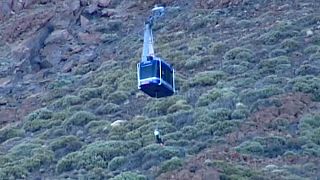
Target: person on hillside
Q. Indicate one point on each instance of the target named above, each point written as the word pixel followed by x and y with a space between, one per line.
pixel 159 140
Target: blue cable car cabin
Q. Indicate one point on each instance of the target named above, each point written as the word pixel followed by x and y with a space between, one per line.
pixel 156 77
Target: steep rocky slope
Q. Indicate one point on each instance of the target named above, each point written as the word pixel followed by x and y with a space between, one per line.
pixel 247 102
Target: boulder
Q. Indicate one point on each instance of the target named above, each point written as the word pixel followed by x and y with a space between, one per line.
pixel 58 36
pixel 84 22
pixel 118 123
pixel 104 3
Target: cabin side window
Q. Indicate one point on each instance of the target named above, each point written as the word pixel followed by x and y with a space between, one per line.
pixel 166 74
pixel 149 70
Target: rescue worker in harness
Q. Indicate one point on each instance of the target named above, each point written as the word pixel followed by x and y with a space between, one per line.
pixel 159 140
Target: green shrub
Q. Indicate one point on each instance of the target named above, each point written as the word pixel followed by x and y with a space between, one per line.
pixel 97 154
pixel 118 97
pixel 235 69
pixel 97 127
pixel 41 157
pixel 89 93
pixel 161 106
pixel 10 132
pixel 307 84
pixel 239 53
pixel 309 122
pixel 273 63
pixel 67 143
pixel 250 147
pixel 212 116
pixel 240 114
pixel 311 149
pixel 170 165
pixel 223 127
pixel 118 132
pixel 250 96
pixel 40 114
pixel 189 132
pixel 312 49
pixel 129 176
pixel 153 154
pixel 207 78
pixel 80 118
pixel 209 97
pixel 307 69
pixel 85 68
pixel 274 36
pixel 109 38
pixel 13 172
pixel 217 48
pixel 106 90
pixel 108 108
pixel 128 82
pixel 289 45
pixel 315 137
pixel 70 100
pixel 273 145
pixel 35 125
pixel 94 103
pixel 233 172
pixel 180 105
pixel 277 52
pixel 279 124
pixel 117 162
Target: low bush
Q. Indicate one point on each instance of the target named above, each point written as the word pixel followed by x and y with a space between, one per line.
pixel 239 53
pixel 118 97
pixel 117 162
pixel 153 155
pixel 307 69
pixel 209 97
pixel 240 114
pixel 273 146
pixel 40 114
pixel 223 127
pixel 170 165
pixel 129 176
pixel 35 125
pixel 13 172
pixel 80 118
pixel 98 127
pixel 10 132
pixel 211 116
pixel 250 96
pixel 161 106
pixel 217 48
pixel 94 103
pixel 89 93
pixel 96 155
pixel 71 100
pixel 108 108
pixel 207 78
pixel 289 45
pixel 250 147
pixel 306 84
pixel 277 52
pixel 312 49
pixel 65 144
pixel 231 171
pixel 180 105
pixel 273 65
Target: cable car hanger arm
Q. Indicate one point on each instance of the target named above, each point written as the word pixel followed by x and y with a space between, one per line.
pixel 148 50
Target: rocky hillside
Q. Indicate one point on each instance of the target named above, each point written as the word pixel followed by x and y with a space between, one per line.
pixel 248 90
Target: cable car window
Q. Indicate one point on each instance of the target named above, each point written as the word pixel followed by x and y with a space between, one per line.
pixel 167 74
pixel 149 71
